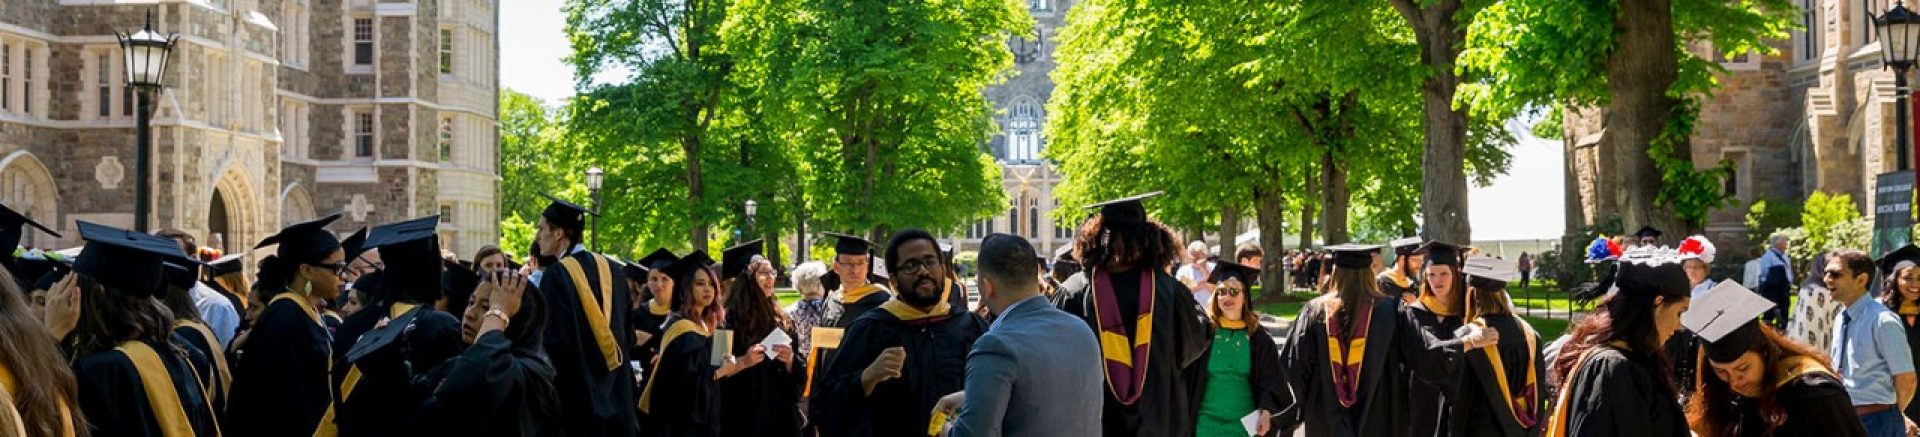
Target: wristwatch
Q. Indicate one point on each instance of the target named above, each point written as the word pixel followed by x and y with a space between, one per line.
pixel 496 312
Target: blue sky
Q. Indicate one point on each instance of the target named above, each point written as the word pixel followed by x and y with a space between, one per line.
pixel 1523 204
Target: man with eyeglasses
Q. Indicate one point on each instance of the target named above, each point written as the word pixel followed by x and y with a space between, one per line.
pixel 1870 349
pixel 895 362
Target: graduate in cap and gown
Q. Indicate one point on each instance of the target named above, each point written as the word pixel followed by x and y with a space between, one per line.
pixel 1504 385
pixel 1755 382
pixel 1646 236
pixel 191 331
pixel 768 392
pixel 377 395
pixel 852 292
pixel 650 320
pixel 1402 280
pixel 132 378
pixel 1613 377
pixel 1153 335
pixel 1244 375
pixel 587 335
pixel 227 276
pixel 896 362
pixel 1348 349
pixel 1438 311
pixel 1901 293
pixel 281 374
pixel 502 383
pixel 683 397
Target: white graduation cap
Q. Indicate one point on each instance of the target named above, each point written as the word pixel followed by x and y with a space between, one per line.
pixel 1490 268
pixel 1726 307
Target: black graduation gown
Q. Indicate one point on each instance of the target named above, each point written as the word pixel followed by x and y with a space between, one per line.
pixel 1176 358
pixel 493 388
pixel 1683 353
pixel 1430 406
pixel 1913 343
pixel 114 401
pixel 935 366
pixel 1391 289
pixel 1394 345
pixel 685 399
pixel 1816 403
pixel 1269 381
pixel 280 381
pixel 841 315
pixel 768 392
pixel 594 401
pixel 1481 409
pixel 206 371
pixel 644 320
pixel 1611 395
pixel 384 396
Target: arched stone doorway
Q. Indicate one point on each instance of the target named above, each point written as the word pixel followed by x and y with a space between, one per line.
pixel 233 213
pixel 218 227
pixel 27 187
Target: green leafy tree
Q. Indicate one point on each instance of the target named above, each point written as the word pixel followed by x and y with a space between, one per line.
pixel 878 102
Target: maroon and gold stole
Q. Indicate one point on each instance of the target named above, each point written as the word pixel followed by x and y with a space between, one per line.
pixel 1347 355
pixel 1126 361
pixel 1521 405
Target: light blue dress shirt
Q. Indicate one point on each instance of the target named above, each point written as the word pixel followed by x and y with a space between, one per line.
pixel 1869 348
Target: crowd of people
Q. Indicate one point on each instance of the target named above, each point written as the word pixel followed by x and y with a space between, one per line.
pixel 1123 333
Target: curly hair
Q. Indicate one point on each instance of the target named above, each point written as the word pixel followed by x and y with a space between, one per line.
pixel 1124 246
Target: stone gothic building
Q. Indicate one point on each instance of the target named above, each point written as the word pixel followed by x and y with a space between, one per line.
pixel 1819 116
pixel 1020 109
pixel 276 111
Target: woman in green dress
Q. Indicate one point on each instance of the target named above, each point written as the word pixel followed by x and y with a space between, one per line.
pixel 1243 368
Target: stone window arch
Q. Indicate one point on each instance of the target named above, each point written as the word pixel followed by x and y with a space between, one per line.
pixel 27 187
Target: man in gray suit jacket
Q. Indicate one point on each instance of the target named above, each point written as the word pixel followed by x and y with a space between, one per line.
pixel 1036 372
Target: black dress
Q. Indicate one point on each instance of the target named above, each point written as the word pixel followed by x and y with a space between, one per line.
pixel 1394 346
pixel 1613 395
pixel 281 384
pixel 1482 407
pixel 644 319
pixel 114 400
pixel 1169 401
pixel 684 400
pixel 1431 406
pixel 768 392
pixel 494 388
pixel 935 366
pixel 596 399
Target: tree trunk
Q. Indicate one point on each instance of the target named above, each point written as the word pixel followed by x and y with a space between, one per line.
pixel 1570 178
pixel 1229 228
pixel 697 234
pixel 1334 197
pixel 1639 72
pixel 1269 209
pixel 801 250
pixel 1307 203
pixel 1443 177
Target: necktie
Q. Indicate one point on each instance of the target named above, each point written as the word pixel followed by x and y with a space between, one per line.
pixel 1846 339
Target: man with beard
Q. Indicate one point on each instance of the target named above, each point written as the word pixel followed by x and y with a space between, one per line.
pixel 897 361
pixel 1403 281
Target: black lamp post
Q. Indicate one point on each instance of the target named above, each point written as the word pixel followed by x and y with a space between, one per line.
pixel 594 178
pixel 146 57
pixel 1899 30
pixel 753 210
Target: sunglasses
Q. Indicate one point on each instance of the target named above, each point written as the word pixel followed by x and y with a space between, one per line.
pixel 1834 273
pixel 1227 291
pixel 338 268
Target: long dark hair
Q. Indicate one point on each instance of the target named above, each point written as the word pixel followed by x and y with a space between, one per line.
pixel 180 302
pixel 683 297
pixel 750 313
pixel 1890 289
pixel 1711 412
pixel 1626 317
pixel 110 316
pixel 1354 290
pixel 1123 246
pixel 44 380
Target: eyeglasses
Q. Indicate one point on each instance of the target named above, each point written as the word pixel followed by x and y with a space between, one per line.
pixel 1834 273
pixel 1227 291
pixel 917 265
pixel 339 268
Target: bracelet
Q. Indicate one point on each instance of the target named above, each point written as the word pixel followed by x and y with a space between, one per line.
pixel 497 313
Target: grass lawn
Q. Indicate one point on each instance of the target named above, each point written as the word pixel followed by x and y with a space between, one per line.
pixel 786 297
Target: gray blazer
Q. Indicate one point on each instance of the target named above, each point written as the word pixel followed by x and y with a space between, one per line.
pixel 1036 372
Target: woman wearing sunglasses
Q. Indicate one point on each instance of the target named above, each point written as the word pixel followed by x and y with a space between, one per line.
pixel 1243 368
pixel 281 384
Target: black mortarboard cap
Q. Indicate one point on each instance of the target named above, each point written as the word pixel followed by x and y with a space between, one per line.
pixel 1124 210
pixel 226 265
pixel 128 261
pixel 1224 270
pixel 411 251
pixel 459 281
pixel 1647 231
pixel 1406 246
pixel 687 264
pixel 355 245
pixel 1906 255
pixel 1353 256
pixel 1651 275
pixel 305 242
pixel 660 258
pixel 845 244
pixel 566 215
pixel 53 276
pixel 381 337
pixel 734 260
pixel 26 270
pixel 1439 253
pixel 11 230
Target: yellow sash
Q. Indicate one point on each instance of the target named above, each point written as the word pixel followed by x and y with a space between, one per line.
pixel 822 338
pixel 353 372
pixel 1795 366
pixel 658 307
pixel 161 399
pixel 219 359
pixel 1436 306
pixel 1230 324
pixel 7 385
pixel 326 426
pixel 854 295
pixel 679 327
pixel 1115 347
pixel 1557 424
pixel 599 314
pixel 908 313
pixel 1500 372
